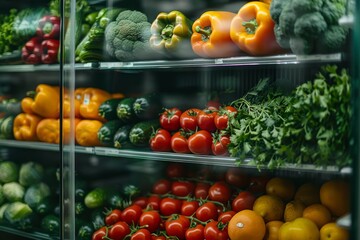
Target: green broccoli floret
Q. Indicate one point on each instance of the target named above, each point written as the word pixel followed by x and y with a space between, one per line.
pixel 310 25
pixel 287 20
pixel 332 11
pixel 276 7
pixel 306 6
pixel 127 38
pixel 332 40
pixel 281 38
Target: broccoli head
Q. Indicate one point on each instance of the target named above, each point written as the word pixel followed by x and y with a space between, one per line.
pixel 332 40
pixel 310 25
pixel 276 7
pixel 332 11
pixel 127 38
pixel 306 6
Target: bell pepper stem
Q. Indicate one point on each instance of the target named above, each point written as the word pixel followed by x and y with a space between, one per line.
pixel 250 26
pixel 206 32
pixel 48 27
pixel 167 32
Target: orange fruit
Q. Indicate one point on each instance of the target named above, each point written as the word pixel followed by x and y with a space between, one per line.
pixel 299 229
pixel 293 210
pixel 270 207
pixel 308 193
pixel 335 195
pixel 246 224
pixel 281 187
pixel 318 213
pixel 272 230
pixel 331 231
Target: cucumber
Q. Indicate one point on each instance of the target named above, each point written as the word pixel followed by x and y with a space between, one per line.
pixel 95 198
pixel 125 111
pixel 107 131
pixel 121 137
pixel 147 107
pixel 107 109
pixel 141 132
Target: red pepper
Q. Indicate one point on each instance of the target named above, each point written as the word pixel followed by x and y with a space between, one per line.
pixel 31 52
pixel 50 48
pixel 49 27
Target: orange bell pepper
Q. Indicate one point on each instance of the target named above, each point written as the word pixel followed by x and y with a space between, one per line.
pixel 211 35
pixel 25 125
pixel 48 130
pixel 86 132
pixel 91 100
pixel 67 103
pixel 252 29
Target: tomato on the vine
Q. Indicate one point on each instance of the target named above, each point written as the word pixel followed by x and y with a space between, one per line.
pixel 237 177
pixel 161 186
pixel 119 230
pixel 200 142
pixel 156 237
pixel 160 141
pixel 182 188
pixel 188 119
pixel 244 200
pixel 205 120
pixel 226 216
pixel 201 190
pixel 99 234
pixel 154 202
pixel 195 233
pixel 175 170
pixel 170 119
pixel 112 217
pixel 179 142
pixel 131 214
pixel 221 119
pixel 220 192
pixel 141 234
pixel 206 212
pixel 176 225
pixel 189 207
pixel 214 230
pixel 219 146
pixel 150 220
pixel 141 201
pixel 169 206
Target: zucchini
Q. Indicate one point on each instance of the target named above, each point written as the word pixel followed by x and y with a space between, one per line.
pixel 121 137
pixel 147 107
pixel 107 131
pixel 141 132
pixel 6 127
pixel 125 111
pixel 10 106
pixel 95 198
pixel 107 109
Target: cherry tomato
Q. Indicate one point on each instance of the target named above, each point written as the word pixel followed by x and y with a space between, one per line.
pixel 214 230
pixel 205 120
pixel 99 234
pixel 188 208
pixel 141 234
pixel 219 146
pixel 200 142
pixel 119 230
pixel 226 216
pixel 201 190
pixel 206 212
pixel 170 119
pixel 112 217
pixel 213 104
pixel 220 191
pixel 169 206
pixel 182 188
pixel 150 218
pixel 244 200
pixel 258 184
pixel 195 233
pixel 176 225
pixel 160 141
pixel 221 119
pixel 154 202
pixel 236 177
pixel 179 142
pixel 175 170
pixel 131 214
pixel 154 237
pixel 161 186
pixel 141 201
pixel 188 119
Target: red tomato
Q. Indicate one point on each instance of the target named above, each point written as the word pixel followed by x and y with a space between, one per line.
pixel 154 202
pixel 131 214
pixel 150 218
pixel 182 188
pixel 161 141
pixel 200 142
pixel 226 216
pixel 141 201
pixel 170 119
pixel 219 146
pixel 119 230
pixel 195 233
pixel 257 184
pixel 141 234
pixel 206 212
pixel 201 190
pixel 162 186
pixel 236 177
pixel 205 120
pixel 179 142
pixel 213 231
pixel 99 234
pixel 244 200
pixel 169 206
pixel 220 192
pixel 188 208
pixel 221 120
pixel 177 225
pixel 154 237
pixel 112 217
pixel 175 170
pixel 188 119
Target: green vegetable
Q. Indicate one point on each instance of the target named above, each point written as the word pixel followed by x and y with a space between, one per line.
pixel 97 218
pixel 141 132
pixel 332 39
pixel 85 231
pixel 107 109
pixel 107 131
pixel 121 137
pixel 30 173
pixel 127 38
pixel 125 110
pixel 51 224
pixel 95 198
pixel 13 191
pixel 80 208
pixel 16 211
pixel 2 212
pixel 10 106
pixel 45 206
pixel 28 223
pixel 55 6
pixel 9 172
pixel 2 196
pixel 309 24
pixel 147 107
pixel 6 127
pixel 36 193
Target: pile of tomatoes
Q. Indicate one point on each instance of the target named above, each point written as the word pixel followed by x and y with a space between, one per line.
pixel 179 207
pixel 194 131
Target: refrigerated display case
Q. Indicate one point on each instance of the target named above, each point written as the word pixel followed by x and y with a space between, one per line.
pixel 289 150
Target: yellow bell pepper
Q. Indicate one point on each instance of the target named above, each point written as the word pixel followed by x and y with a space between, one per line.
pixel 67 103
pixel 48 130
pixel 299 229
pixel 25 126
pixel 86 132
pixel 91 100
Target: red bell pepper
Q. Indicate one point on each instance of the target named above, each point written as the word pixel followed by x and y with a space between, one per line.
pixel 32 51
pixel 49 27
pixel 50 48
